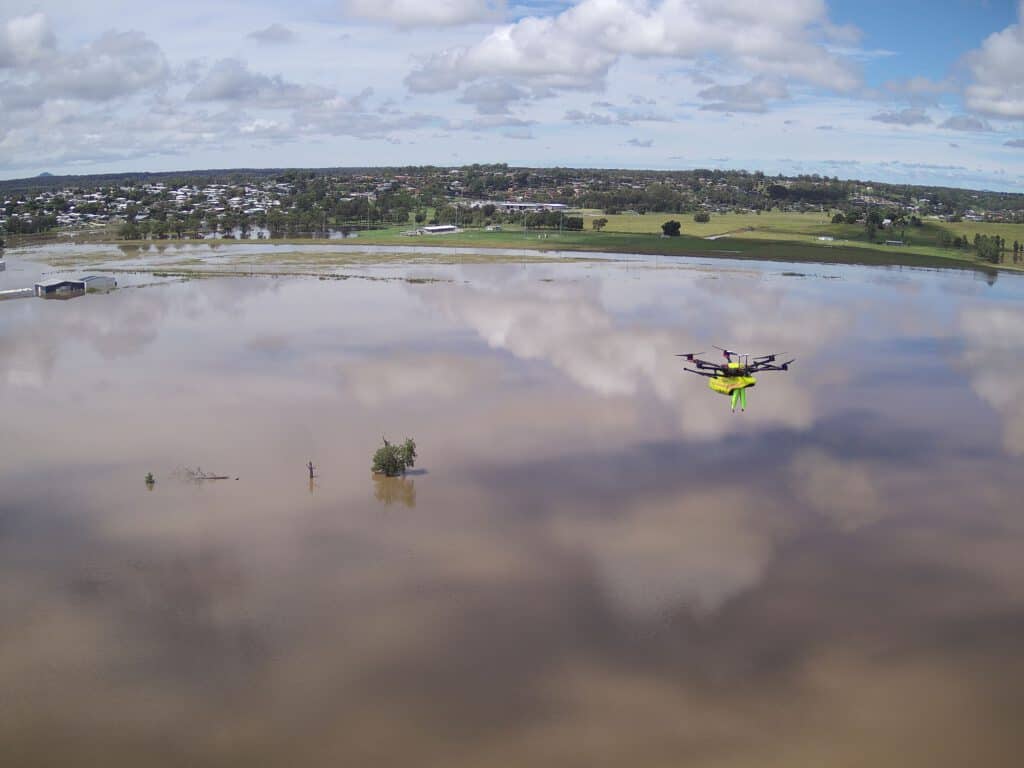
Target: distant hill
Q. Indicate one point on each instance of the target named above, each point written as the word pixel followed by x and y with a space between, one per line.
pixel 44 174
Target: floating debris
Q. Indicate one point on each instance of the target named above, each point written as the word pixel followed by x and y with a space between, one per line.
pixel 197 475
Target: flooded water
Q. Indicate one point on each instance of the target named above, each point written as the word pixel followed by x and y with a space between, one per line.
pixel 594 562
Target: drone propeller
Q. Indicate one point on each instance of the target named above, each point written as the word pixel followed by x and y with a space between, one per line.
pixel 767 358
pixel 689 355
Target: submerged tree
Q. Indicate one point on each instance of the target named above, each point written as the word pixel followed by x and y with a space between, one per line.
pixel 393 460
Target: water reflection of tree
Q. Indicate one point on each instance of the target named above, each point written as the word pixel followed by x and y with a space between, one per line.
pixel 391 489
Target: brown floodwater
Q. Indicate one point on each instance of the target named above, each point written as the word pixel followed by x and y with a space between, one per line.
pixel 594 562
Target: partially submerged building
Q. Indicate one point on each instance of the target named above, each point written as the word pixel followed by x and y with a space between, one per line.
pixel 60 288
pixel 99 283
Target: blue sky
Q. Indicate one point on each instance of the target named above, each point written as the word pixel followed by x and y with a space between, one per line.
pixel 912 92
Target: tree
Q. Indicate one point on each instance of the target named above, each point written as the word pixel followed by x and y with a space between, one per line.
pixel 838 219
pixel 393 460
pixel 573 223
pixel 702 217
pixel 599 224
pixel 671 228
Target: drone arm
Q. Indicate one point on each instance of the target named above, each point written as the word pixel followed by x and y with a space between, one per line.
pixel 701 373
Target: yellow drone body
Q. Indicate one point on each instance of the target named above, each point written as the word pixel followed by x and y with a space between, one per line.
pixel 735 376
pixel 726 385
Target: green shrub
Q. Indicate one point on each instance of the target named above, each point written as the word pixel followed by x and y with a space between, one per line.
pixel 393 460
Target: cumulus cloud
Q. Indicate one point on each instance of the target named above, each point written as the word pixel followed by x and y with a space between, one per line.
pixel 413 13
pixel 589 118
pixel 994 346
pixel 1019 143
pixel 965 123
pixel 752 96
pixel 997 89
pixel 841 490
pixel 909 116
pixel 492 97
pixel 232 80
pixel 275 33
pixel 617 116
pixel 918 90
pixel 576 48
pixel 341 116
pixel 25 39
pixel 568 327
pixel 695 552
pixel 116 64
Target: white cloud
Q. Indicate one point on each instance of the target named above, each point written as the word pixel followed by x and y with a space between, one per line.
pixel 993 353
pixel 998 87
pixel 232 80
pixel 415 13
pixel 25 40
pixel 841 490
pixel 275 33
pixel 694 552
pixel 492 97
pixel 918 86
pixel 965 123
pixel 576 48
pixel 589 118
pixel 752 96
pixel 909 116
pixel 341 116
pixel 116 64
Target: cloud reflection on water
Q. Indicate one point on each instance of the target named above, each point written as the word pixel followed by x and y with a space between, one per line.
pixel 580 581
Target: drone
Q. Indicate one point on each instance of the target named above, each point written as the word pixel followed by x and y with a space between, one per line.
pixel 736 374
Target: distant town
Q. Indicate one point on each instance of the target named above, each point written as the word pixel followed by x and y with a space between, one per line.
pixel 336 202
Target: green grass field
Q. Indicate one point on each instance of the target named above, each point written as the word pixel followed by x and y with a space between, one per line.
pixel 770 245
pixel 771 235
pixel 807 228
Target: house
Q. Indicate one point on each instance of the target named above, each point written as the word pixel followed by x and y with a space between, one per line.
pixel 440 229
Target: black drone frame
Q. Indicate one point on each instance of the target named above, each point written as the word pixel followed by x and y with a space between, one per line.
pixel 748 364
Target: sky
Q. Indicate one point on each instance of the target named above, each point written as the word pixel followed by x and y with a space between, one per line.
pixel 901 91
